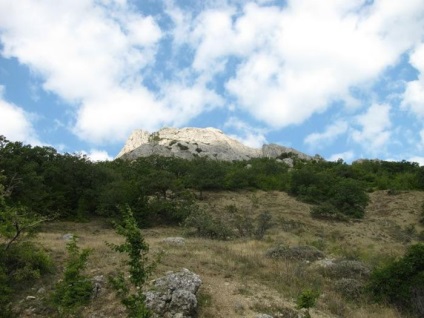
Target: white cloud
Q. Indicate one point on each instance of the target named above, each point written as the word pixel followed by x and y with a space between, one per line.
pixel 422 138
pixel 95 55
pixel 346 156
pixel 331 132
pixel 98 155
pixel 248 135
pixel 375 123
pixel 295 61
pixel 413 98
pixel 286 63
pixel 418 159
pixel 15 123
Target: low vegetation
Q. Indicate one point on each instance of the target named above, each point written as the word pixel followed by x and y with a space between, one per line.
pixel 342 240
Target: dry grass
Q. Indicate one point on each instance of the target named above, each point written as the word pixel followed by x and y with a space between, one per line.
pixel 238 280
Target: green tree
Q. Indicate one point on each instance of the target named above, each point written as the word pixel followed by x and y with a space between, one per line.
pixel 138 266
pixel 349 197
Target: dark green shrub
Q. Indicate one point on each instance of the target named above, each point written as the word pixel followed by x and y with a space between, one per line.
pixel 350 198
pixel 307 299
pixel 20 266
pixel 401 282
pixel 5 292
pixel 74 291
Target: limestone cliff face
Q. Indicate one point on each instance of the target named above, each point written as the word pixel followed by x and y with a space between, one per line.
pixel 189 143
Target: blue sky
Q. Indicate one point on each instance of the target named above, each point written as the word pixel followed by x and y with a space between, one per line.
pixel 339 78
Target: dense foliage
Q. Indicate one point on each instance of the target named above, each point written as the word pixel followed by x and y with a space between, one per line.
pixel 159 190
pixel 401 282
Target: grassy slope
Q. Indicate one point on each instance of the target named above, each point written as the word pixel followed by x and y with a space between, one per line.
pixel 238 281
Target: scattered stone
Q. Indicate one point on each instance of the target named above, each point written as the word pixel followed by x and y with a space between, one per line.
pixel 300 253
pixel 263 316
pixel 30 297
pixel 98 282
pixel 41 290
pixel 178 241
pixel 68 236
pixel 174 295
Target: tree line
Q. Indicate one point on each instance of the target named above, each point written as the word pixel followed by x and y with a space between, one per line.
pixel 160 190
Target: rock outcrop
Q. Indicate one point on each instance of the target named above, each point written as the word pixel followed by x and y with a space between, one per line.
pixel 188 143
pixel 174 295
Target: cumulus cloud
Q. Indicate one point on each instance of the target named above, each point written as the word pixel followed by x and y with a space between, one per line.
pixel 413 98
pixel 97 155
pixel 97 55
pixel 246 134
pixel 374 133
pixel 295 61
pixel 15 123
pixel 418 159
pixel 346 156
pixel 331 132
pixel 280 64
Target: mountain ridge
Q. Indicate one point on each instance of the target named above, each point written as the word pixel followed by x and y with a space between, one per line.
pixel 191 142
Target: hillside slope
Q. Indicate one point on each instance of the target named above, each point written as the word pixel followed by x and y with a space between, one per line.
pixel 238 279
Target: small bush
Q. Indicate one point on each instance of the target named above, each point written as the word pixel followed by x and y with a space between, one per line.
pixel 263 224
pixel 74 291
pixel 240 220
pixel 401 282
pixel 307 298
pixel 208 226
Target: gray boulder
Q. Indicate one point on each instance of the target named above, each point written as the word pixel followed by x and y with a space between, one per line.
pixel 174 295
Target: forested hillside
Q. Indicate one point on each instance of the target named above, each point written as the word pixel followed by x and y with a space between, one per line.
pixel 40 184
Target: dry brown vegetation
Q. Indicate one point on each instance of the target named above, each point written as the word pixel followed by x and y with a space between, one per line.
pixel 238 279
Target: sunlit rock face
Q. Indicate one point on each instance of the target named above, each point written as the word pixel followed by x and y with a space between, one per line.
pixel 189 143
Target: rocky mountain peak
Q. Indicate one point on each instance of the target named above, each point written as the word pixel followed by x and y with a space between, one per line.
pixel 191 142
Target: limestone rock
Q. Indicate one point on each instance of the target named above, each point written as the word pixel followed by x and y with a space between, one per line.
pixel 189 143
pixel 174 295
pixel 137 138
